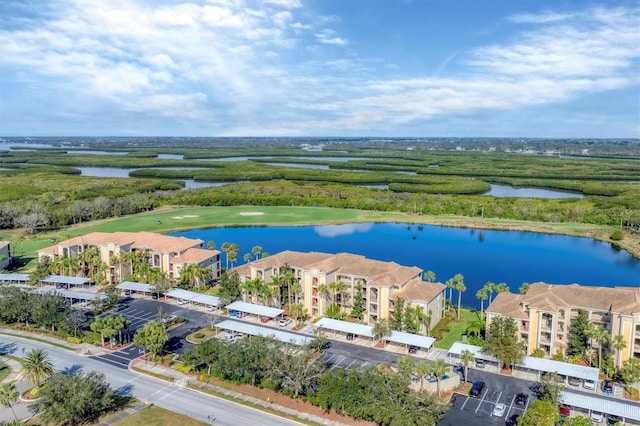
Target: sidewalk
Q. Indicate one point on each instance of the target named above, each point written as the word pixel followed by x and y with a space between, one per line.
pixel 184 380
pixel 84 349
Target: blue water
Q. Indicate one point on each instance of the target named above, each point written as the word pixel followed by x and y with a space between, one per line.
pixel 510 191
pixel 171 156
pixel 481 256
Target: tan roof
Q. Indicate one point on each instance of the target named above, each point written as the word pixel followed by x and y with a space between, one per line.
pixel 147 240
pixel 419 291
pixel 550 297
pixel 294 259
pixel 194 255
pixel 53 250
pixel 508 305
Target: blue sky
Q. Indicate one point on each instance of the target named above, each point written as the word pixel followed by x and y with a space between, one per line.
pixel 423 68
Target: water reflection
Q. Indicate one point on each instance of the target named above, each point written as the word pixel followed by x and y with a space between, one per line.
pixel 170 156
pixel 331 231
pixel 509 191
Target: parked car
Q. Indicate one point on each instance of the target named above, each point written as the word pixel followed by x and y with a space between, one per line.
pixel 120 307
pixel 565 412
pixel 211 308
pixel 413 349
pixel 574 381
pixel 479 363
pixel 589 384
pixel 264 320
pixel 476 389
pixel 607 388
pixel 350 336
pixel 169 319
pixel 182 302
pixel 596 417
pixel 521 399
pixel 513 420
pixel 499 410
pixel 127 292
pixel 284 322
pixel 612 420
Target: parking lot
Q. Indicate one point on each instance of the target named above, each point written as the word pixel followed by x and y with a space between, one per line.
pixel 335 361
pixel 466 410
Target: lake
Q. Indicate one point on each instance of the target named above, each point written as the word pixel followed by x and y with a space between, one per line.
pixel 480 255
pixel 510 191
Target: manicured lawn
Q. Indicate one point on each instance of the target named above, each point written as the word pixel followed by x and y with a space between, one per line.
pixel 208 334
pixel 4 371
pixel 156 416
pixel 456 328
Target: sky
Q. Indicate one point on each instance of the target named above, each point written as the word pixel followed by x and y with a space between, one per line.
pixel 390 68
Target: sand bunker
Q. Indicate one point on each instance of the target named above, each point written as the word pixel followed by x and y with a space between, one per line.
pixel 251 213
pixel 187 216
pixel 177 217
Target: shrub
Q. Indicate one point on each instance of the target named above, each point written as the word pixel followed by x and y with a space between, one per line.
pixel 199 335
pixel 75 340
pixel 182 368
pixel 179 320
pixel 92 337
pixel 617 235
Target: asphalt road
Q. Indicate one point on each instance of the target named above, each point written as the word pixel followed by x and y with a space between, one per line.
pixel 166 395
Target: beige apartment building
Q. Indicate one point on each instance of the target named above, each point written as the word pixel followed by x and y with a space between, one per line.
pixel 5 254
pixel 545 312
pixel 169 254
pixel 381 283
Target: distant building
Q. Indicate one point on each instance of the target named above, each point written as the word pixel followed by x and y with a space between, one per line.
pixel 380 283
pixel 545 313
pixel 169 254
pixel 5 254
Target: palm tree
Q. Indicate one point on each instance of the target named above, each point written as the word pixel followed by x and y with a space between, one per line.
pixel 296 289
pixel 490 286
pixel 438 369
pixel 381 329
pixel 226 247
pixel 466 356
pixel 288 277
pixel 298 311
pixel 338 287
pixel 422 369
pixel 457 283
pixel 264 291
pixel 276 284
pixel 8 395
pixel 483 295
pixel 211 245
pixel 429 276
pixel 323 290
pixel 618 343
pixel 36 366
pixel 502 288
pixel 601 336
pixel 419 316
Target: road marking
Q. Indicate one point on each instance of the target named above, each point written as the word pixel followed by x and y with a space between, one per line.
pixel 350 364
pixel 511 405
pixel 465 403
pixel 480 405
pixel 363 366
pixel 168 395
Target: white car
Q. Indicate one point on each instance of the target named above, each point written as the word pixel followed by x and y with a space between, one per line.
pixel 284 322
pixel 589 384
pixel 182 302
pixel 596 417
pixel 499 410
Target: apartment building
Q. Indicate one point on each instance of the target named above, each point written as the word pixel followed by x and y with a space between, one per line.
pixel 5 254
pixel 545 312
pixel 379 282
pixel 169 254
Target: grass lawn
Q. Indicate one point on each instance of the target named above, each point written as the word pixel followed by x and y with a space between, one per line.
pixel 207 332
pixel 456 328
pixel 4 371
pixel 156 416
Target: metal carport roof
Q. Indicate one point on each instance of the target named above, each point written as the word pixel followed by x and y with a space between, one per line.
pixel 256 330
pixel 458 347
pixel 345 327
pixel 250 308
pixel 69 294
pixel 410 339
pixel 4 278
pixel 60 279
pixel 130 285
pixel 205 299
pixel 607 405
pixel 564 368
pixel 180 293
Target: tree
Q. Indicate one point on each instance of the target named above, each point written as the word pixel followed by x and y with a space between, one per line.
pixel 550 386
pixel 206 353
pixel 357 310
pixel 491 288
pixel 75 321
pixel 457 283
pixel 406 365
pixel 429 276
pixel 540 413
pixel 8 395
pixel 600 335
pixel 630 371
pixel 74 399
pixel 226 247
pixel 298 311
pixel 578 338
pixel 42 271
pixel 438 369
pixel 502 288
pixel 397 319
pixel 256 251
pixel 502 341
pixel 466 357
pixel 422 369
pixel 381 329
pixel 294 368
pixel 578 421
pixel 211 245
pixel 152 337
pixel 50 310
pixel 618 343
pixel 482 295
pixel 36 366
pixel 195 275
pixel 524 288
pixel 229 287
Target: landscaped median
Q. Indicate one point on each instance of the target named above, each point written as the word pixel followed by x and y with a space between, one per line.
pixel 201 335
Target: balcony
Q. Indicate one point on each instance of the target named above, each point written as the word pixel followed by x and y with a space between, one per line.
pixel 637 333
pixel 546 325
pixel 545 338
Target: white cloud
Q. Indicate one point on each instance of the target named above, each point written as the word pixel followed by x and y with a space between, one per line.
pixel 327 36
pixel 287 4
pixel 332 231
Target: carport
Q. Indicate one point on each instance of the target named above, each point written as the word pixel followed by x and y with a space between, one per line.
pixel 14 279
pixel 71 295
pixel 541 366
pixel 457 348
pixel 344 327
pixel 252 309
pixel 408 339
pixel 61 281
pixel 271 333
pixel 211 302
pixel 133 286
pixel 628 411
pixel 179 293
